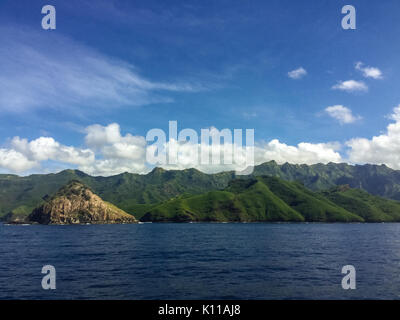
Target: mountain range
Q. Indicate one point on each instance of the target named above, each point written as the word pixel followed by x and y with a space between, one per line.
pixel 149 194
pixel 266 198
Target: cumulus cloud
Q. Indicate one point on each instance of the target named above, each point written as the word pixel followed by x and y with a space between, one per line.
pixel 109 167
pixel 108 152
pixel 351 86
pixel 341 113
pixel 48 70
pixel 116 153
pixel 369 72
pixel 396 114
pixel 46 148
pixel 15 161
pixel 382 149
pixel 190 150
pixel 303 153
pixel 23 155
pixel 297 73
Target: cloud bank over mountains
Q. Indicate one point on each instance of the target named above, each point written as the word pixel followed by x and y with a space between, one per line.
pixel 107 152
pixel 384 148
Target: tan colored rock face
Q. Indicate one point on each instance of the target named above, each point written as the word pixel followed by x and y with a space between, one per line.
pixel 76 204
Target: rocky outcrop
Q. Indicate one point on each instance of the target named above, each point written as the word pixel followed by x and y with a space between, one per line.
pixel 75 203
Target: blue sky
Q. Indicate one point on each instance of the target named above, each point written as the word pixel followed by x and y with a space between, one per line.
pixel 223 64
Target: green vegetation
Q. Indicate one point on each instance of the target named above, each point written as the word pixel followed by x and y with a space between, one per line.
pixel 139 194
pixel 259 199
pixel 133 193
pixel 370 208
pixel 376 180
pixel 312 206
pixel 18 214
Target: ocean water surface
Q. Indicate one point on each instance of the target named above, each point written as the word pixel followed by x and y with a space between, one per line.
pixel 201 261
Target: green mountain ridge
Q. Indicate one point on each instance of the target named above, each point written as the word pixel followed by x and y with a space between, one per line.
pixel 259 199
pixel 137 194
pixel 370 208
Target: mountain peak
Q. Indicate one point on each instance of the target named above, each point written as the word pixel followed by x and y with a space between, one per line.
pixel 75 203
pixel 73 172
pixel 158 170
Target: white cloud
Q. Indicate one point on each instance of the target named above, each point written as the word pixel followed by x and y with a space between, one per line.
pixel 47 70
pixel 15 161
pixel 303 153
pixel 351 86
pixel 98 136
pixel 109 152
pixel 396 114
pixel 369 72
pixel 116 153
pixel 23 155
pixel 382 149
pixel 112 145
pixel 298 73
pixel 108 167
pixel 341 113
pixel 46 148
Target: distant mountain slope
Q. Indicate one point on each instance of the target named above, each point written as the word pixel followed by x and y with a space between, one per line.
pixel 251 201
pixel 312 206
pixel 258 199
pixel 377 180
pixel 370 208
pixel 75 204
pixel 136 194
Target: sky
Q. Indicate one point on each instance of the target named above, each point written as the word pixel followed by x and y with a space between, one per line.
pixel 86 94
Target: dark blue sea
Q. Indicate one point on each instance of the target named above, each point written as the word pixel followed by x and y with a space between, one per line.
pixel 201 261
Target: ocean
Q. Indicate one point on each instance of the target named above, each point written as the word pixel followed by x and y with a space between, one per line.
pixel 201 261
